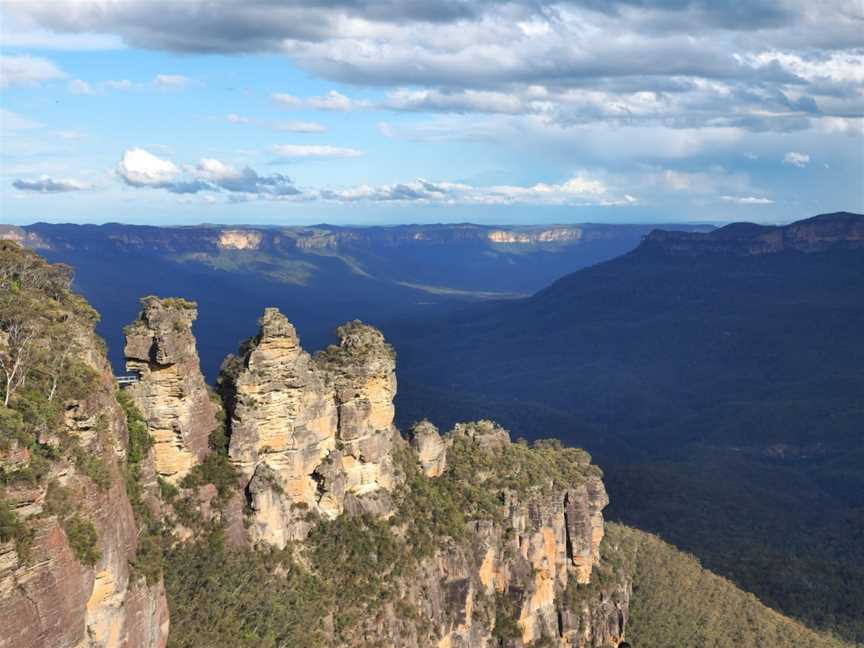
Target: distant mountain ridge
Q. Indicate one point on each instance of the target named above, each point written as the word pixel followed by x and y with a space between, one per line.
pixel 839 230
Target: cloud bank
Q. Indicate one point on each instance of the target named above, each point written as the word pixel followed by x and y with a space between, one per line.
pixel 759 66
pixel 141 169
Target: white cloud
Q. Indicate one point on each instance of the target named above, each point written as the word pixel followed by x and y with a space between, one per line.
pixel 171 81
pixel 79 87
pixel 578 190
pixel 793 158
pixel 460 102
pixel 747 200
pixel 47 184
pixel 140 168
pixel 302 151
pixel 234 118
pixel 333 100
pixel 27 71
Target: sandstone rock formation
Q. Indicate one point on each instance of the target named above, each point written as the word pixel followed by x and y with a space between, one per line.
pixel 430 448
pixel 538 560
pixel 308 434
pixel 171 392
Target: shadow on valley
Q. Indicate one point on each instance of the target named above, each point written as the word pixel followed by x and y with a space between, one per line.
pixel 718 382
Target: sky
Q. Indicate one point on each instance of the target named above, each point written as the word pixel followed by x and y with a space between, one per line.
pixel 396 111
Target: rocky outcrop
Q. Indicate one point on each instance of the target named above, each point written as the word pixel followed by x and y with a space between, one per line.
pixel 171 392
pixel 430 448
pixel 838 231
pixel 309 435
pixel 539 559
pixel 22 237
pixel 554 235
pixel 239 240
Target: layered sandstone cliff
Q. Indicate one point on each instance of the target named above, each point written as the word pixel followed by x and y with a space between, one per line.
pixel 171 392
pixel 310 435
pixel 531 570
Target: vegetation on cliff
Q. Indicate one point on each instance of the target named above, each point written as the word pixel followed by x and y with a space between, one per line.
pixel 677 602
pixel 42 370
pixel 352 569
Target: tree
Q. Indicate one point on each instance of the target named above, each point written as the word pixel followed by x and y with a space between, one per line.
pixel 32 328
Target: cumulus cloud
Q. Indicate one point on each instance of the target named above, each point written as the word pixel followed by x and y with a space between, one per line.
pixel 310 151
pixel 245 180
pixel 47 184
pixel 139 168
pixel 793 158
pixel 27 71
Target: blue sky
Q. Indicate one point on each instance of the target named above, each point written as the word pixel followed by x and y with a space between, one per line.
pixel 150 111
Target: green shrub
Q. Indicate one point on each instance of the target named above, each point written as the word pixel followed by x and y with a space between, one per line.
pixel 149 554
pixel 11 528
pixel 95 467
pixel 82 538
pixel 216 469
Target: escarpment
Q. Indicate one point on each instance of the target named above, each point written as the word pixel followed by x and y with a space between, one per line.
pixel 71 543
pixel 160 349
pixel 310 435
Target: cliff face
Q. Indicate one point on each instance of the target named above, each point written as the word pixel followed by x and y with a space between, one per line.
pixel 841 230
pixel 310 435
pixel 171 392
pixel 68 535
pixel 553 235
